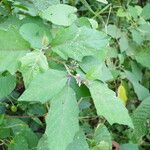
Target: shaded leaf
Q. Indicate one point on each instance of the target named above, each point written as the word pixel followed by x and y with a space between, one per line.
pixel 102 134
pixel 19 142
pixel 7 85
pixel 20 128
pixel 139 89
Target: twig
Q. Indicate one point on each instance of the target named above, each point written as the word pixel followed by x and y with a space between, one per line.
pixel 36 116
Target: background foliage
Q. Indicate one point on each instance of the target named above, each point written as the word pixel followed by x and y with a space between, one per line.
pixel 74 74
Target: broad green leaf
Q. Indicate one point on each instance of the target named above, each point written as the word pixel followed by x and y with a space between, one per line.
pixel 60 14
pixel 41 5
pixel 129 146
pixel 122 13
pixel 123 43
pixel 1 118
pixel 9 60
pixel 139 89
pixel 145 12
pixel 137 36
pixel 108 105
pixel 24 7
pixel 11 21
pixel 83 21
pixel 43 143
pixel 101 146
pixel 7 85
pixel 136 70
pixel 19 142
pixel 145 31
pixel 143 57
pixel 93 23
pixel 4 132
pixel 140 117
pixel 62 120
pixel 102 134
pixel 34 34
pixel 13 39
pixel 95 69
pixel 32 64
pixel 18 127
pixel 74 42
pixel 113 31
pixel 133 12
pixel 45 86
pixel 79 142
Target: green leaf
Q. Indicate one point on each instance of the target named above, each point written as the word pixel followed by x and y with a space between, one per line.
pixel 41 5
pixel 103 1
pixel 123 43
pixel 7 84
pixel 62 120
pixel 19 142
pixel 145 31
pixel 95 69
pixel 45 86
pixel 140 90
pixel 5 133
pixel 145 12
pixel 113 31
pixel 83 21
pixel 11 21
pixel 133 12
pixel 34 34
pixel 143 57
pixel 93 23
pixel 102 134
pixel 137 36
pixel 13 39
pixel 32 64
pixel 101 146
pixel 129 146
pixel 79 142
pixel 43 143
pixel 9 60
pixel 108 105
pixel 60 14
pixel 140 117
pixel 74 42
pixel 136 70
pixel 1 118
pixel 19 127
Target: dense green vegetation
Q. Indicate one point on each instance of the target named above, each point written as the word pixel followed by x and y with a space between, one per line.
pixel 74 75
